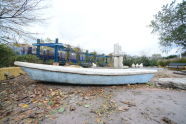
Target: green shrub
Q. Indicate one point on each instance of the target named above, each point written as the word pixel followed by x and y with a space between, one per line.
pixel 49 62
pixel 128 61
pixel 182 60
pixel 171 57
pixel 147 61
pixel 153 62
pixel 28 58
pixel 165 62
pixel 7 56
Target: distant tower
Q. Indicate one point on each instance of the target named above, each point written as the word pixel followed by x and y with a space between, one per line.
pixel 118 56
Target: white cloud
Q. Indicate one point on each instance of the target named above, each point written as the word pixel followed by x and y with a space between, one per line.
pixel 98 24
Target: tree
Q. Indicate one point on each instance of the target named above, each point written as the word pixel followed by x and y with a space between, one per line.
pixel 170 23
pixel 77 50
pixel 156 56
pixel 68 48
pixel 15 15
pixel 93 56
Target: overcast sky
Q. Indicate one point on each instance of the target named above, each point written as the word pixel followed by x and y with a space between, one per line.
pixel 98 24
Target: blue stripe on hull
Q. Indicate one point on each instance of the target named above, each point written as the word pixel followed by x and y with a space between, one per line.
pixel 61 77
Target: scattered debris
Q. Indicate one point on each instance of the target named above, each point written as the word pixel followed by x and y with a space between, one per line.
pixel 99 121
pixel 23 105
pixel 123 108
pixel 22 98
pixel 130 104
pixel 25 100
pixel 168 121
pixel 105 109
pixel 87 105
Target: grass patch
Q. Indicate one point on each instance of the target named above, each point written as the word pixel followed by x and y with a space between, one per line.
pixel 14 71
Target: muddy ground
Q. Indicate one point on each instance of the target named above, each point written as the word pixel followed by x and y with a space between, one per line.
pixel 23 100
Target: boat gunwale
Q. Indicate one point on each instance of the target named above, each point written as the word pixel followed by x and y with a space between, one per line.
pixel 82 73
pixel 89 74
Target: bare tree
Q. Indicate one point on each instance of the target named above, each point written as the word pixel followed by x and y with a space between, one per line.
pixel 15 15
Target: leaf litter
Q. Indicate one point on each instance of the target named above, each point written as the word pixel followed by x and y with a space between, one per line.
pixel 26 101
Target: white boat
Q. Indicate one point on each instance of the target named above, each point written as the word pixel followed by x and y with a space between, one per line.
pixel 86 76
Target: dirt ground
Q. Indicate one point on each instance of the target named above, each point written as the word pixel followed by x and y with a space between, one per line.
pixel 23 100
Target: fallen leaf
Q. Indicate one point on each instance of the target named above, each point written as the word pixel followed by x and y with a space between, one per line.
pixel 23 105
pixel 99 121
pixel 53 112
pixel 123 108
pixel 129 103
pixel 86 97
pixel 50 103
pixel 87 105
pixel 62 109
pixel 53 93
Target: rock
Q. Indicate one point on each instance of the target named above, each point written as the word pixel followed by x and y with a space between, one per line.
pixel 72 108
pixel 179 83
pixel 168 121
pixel 21 73
pixel 8 75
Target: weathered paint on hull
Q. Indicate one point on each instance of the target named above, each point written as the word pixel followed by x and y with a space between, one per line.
pixel 63 77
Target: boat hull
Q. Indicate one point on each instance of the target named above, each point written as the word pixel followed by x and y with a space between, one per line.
pixel 85 79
